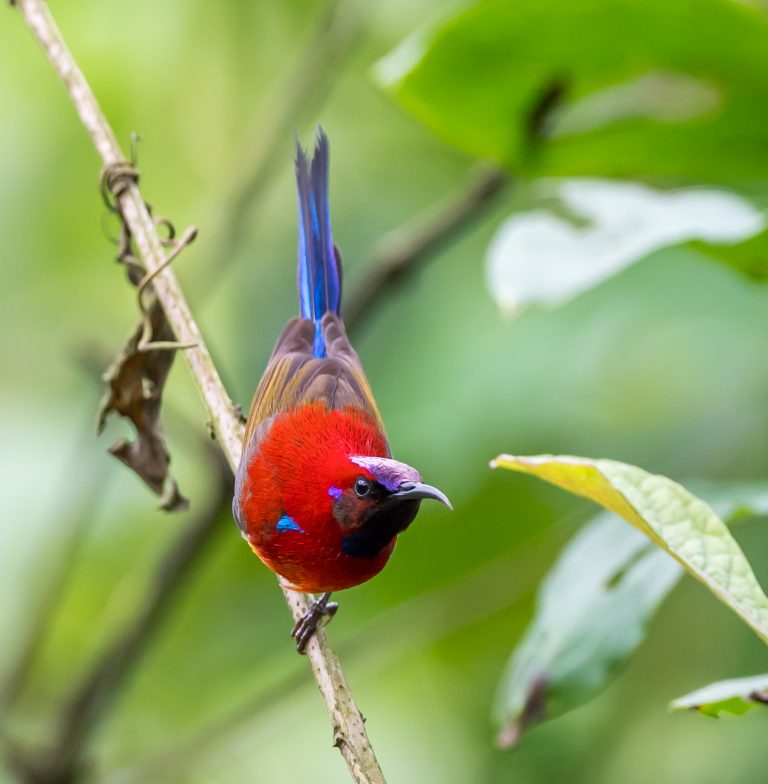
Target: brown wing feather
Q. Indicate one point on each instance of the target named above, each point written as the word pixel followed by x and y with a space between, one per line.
pixel 293 376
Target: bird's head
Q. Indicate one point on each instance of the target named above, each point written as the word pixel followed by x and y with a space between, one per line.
pixel 376 499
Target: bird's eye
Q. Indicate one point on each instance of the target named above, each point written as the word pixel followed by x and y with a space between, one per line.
pixel 362 487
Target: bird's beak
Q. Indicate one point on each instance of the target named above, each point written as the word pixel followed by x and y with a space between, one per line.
pixel 418 490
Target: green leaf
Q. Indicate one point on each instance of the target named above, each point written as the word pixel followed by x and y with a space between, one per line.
pixel 592 612
pixel 736 696
pixel 650 87
pixel 678 522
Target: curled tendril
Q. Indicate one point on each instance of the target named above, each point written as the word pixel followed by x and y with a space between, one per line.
pixel 115 180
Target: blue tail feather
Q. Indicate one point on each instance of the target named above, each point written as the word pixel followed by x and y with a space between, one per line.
pixel 319 275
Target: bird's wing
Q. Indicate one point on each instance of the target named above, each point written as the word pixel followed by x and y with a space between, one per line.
pixel 293 376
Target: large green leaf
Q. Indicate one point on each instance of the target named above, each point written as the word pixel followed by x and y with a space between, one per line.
pixel 591 614
pixel 736 696
pixel 651 87
pixel 593 610
pixel 670 516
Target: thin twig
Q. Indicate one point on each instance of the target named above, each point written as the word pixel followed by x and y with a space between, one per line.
pixel 348 727
pixel 403 252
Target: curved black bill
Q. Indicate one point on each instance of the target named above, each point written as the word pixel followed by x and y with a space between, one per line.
pixel 418 490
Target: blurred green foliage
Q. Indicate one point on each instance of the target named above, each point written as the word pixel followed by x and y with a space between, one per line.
pixel 647 88
pixel 662 366
pixel 593 610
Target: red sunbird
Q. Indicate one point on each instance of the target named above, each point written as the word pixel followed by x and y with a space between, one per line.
pixel 318 496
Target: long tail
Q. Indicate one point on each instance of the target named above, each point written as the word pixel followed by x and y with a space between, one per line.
pixel 319 262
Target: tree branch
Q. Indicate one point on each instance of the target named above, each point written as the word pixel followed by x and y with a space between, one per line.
pixel 349 730
pixel 400 254
pixel 414 624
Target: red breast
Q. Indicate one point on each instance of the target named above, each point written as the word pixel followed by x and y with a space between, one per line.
pixel 302 458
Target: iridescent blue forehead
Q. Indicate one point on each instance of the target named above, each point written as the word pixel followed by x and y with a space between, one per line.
pixel 387 472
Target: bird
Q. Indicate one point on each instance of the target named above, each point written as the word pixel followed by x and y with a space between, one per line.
pixel 318 496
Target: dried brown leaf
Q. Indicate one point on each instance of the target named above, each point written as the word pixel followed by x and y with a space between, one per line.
pixel 135 387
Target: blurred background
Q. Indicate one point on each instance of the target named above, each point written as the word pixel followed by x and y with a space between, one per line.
pixel 662 365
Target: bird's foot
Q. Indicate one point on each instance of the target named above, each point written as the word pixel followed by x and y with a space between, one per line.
pixel 307 625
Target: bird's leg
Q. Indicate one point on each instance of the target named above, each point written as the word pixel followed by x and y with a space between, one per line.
pixel 306 626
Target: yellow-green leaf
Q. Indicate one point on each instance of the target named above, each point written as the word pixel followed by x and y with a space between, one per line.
pixel 666 513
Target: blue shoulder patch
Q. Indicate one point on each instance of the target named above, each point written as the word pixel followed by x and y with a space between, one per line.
pixel 286 523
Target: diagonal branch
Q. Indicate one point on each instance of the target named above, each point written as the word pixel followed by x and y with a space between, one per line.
pixel 349 729
pixel 414 624
pixel 405 250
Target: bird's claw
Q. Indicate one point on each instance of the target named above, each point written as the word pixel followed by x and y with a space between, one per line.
pixel 307 625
